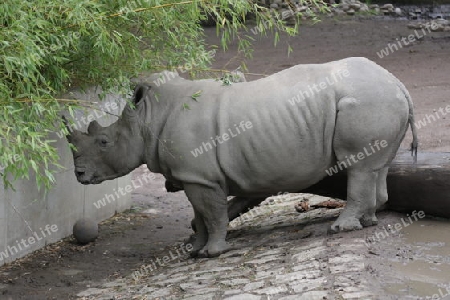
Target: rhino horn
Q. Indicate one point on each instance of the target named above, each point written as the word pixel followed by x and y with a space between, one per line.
pixel 72 132
pixel 93 127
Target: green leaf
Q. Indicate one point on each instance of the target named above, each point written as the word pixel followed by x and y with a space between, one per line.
pixel 196 95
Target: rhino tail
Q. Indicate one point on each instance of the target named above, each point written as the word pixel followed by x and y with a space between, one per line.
pixel 415 142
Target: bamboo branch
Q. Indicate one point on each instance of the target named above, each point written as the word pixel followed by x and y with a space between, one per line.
pixel 154 7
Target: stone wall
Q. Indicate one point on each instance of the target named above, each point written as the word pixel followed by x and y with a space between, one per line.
pixel 31 218
pixel 352 7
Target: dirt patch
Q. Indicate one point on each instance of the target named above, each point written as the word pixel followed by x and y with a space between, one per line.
pixel 160 220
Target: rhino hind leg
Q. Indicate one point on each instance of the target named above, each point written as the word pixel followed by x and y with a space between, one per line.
pixel 361 125
pixel 211 220
pixel 369 218
pixel 382 194
pixel 361 200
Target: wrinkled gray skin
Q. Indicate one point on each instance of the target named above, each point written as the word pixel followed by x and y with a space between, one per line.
pixel 288 148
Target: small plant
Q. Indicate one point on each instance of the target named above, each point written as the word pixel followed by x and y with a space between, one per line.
pixel 186 106
pixel 196 95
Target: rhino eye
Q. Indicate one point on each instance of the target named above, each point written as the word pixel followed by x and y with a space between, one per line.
pixel 103 142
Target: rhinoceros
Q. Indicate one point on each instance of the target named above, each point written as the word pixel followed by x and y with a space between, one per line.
pixel 284 132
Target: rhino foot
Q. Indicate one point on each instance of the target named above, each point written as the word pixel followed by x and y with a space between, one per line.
pixel 369 220
pixel 198 243
pixel 209 250
pixel 345 224
pixel 213 250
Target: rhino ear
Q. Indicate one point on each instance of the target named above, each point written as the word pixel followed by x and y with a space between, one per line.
pixel 140 92
pixel 94 127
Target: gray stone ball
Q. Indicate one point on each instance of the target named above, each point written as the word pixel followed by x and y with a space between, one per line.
pixel 85 230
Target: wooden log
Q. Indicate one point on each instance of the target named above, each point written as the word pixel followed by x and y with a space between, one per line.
pixel 424 186
pixel 421 186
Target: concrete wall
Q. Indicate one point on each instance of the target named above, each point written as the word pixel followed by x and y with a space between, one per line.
pixel 30 219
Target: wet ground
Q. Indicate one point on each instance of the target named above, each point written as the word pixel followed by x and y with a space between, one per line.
pixel 280 254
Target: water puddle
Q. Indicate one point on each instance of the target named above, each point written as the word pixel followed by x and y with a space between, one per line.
pixel 425 270
pixel 432 236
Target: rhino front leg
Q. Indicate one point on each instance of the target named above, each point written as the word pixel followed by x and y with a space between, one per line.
pixel 211 213
pixel 236 207
pixel 200 238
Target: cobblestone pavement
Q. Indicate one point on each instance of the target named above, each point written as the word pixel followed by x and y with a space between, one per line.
pixel 278 254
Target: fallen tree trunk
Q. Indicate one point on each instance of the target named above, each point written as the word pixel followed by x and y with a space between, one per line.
pixel 425 186
pixel 421 186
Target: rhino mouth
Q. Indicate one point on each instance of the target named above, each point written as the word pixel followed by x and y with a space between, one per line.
pixel 95 179
pixel 84 178
pixel 92 180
